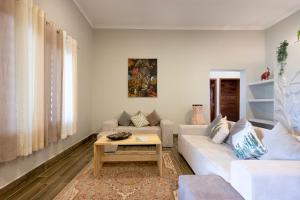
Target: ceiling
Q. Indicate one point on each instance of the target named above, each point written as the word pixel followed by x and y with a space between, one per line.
pixel 186 14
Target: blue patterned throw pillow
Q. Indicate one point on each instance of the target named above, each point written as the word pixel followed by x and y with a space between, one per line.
pixel 246 144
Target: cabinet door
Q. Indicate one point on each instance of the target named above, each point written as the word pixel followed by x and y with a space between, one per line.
pixel 230 98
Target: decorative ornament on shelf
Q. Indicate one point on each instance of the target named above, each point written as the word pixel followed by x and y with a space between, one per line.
pixel 282 56
pixel 198 116
pixel 266 75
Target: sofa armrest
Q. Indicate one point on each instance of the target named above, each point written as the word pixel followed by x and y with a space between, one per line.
pixel 266 179
pixel 192 130
pixel 109 125
pixel 167 128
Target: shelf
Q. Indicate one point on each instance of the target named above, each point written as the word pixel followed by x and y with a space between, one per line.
pixel 262 121
pixel 262 82
pixel 261 101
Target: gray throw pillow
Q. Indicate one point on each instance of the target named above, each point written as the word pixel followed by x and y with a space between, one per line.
pixel 124 119
pixel 153 118
pixel 237 127
pixel 280 144
pixel 212 125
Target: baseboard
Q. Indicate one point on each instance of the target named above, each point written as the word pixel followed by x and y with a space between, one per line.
pixel 44 166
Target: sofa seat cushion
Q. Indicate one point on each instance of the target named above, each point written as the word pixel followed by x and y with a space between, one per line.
pixel 211 187
pixel 215 157
pixel 144 130
pixel 266 179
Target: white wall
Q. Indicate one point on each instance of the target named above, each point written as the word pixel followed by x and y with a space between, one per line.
pixel 284 30
pixel 184 61
pixel 65 14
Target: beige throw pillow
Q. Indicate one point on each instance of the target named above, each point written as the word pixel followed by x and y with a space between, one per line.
pixel 139 120
pixel 221 131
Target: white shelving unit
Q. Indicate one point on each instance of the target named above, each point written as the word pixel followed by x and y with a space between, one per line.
pixel 262 104
pixel 271 81
pixel 262 121
pixel 261 100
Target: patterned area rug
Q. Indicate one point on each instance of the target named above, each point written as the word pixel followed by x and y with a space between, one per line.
pixel 123 181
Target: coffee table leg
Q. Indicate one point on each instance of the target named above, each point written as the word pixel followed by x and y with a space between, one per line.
pixel 159 159
pixel 98 153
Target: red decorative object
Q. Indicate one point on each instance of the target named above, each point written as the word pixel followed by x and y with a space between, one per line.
pixel 266 75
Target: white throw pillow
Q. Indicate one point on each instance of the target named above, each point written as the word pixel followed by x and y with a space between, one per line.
pixel 139 120
pixel 220 131
pixel 281 144
pixel 246 144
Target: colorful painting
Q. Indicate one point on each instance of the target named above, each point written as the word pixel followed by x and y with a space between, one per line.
pixel 142 77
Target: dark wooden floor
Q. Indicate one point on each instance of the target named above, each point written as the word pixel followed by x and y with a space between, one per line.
pixel 47 184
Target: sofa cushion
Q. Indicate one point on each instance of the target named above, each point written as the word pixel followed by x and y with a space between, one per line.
pixel 280 144
pixel 144 130
pixel 221 131
pixel 236 127
pixel 153 118
pixel 139 120
pixel 266 179
pixel 246 144
pixel 206 157
pixel 212 125
pixel 211 187
pixel 124 119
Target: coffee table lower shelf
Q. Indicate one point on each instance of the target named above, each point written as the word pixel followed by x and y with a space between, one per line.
pixel 124 156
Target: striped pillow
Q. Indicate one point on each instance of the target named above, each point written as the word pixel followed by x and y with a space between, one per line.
pixel 139 120
pixel 220 131
pixel 212 125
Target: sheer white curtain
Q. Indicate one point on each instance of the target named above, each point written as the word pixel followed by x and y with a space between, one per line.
pixel 23 40
pixel 38 80
pixel 69 99
pixel 30 64
pixel 38 39
pixel 75 89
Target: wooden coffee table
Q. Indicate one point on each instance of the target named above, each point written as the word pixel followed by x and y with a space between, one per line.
pixel 124 156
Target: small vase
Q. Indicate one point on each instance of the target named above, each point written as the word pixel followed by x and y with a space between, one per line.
pixel 198 116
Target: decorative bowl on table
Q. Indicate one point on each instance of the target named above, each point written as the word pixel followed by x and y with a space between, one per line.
pixel 119 136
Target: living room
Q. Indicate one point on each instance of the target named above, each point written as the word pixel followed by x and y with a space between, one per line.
pixel 183 46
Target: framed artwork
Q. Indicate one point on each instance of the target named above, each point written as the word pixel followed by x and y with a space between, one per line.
pixel 142 77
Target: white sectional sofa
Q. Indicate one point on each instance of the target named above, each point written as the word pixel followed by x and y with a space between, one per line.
pixel 164 131
pixel 253 179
